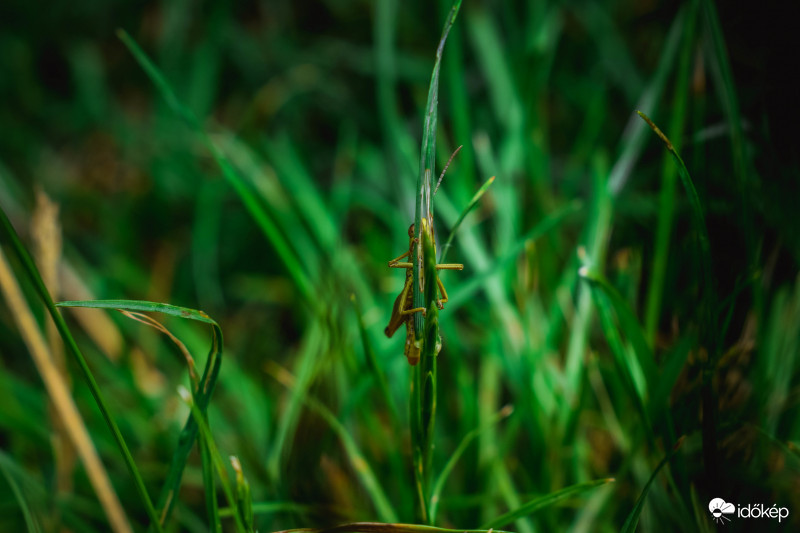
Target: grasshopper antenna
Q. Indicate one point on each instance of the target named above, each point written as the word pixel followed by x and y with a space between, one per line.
pixel 441 177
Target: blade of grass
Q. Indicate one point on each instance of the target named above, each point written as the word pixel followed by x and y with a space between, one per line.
pixel 698 221
pixel 426 330
pixel 742 165
pixel 244 500
pixel 210 485
pixel 505 412
pixel 368 480
pixel 472 204
pixel 305 370
pixel 5 468
pixel 271 507
pixel 538 503
pixel 10 236
pixel 372 362
pixel 250 200
pixel 628 324
pixel 592 252
pixel 627 369
pixel 635 133
pixel 204 389
pixel 666 199
pixel 427 160
pixel 378 527
pixel 709 331
pixel 673 362
pixel 216 458
pixel 633 518
pixel 61 400
pixel 472 285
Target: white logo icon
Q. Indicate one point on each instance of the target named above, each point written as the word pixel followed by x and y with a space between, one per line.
pixel 719 508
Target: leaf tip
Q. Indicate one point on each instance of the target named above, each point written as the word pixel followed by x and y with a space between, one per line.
pixel 657 131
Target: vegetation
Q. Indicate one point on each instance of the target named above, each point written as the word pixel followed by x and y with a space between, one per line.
pixel 622 345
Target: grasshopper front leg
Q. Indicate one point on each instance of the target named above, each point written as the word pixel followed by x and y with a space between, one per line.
pixel 445 266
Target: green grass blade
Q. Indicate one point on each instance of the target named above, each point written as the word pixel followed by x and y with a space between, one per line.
pixel 359 463
pixel 270 508
pixel 464 213
pixel 505 412
pixel 244 498
pixel 169 492
pixel 635 132
pixel 468 288
pixel 372 362
pixel 666 199
pixel 627 369
pixel 673 362
pixel 248 197
pixel 538 503
pixel 742 165
pixel 426 330
pixel 304 372
pixel 628 324
pixel 143 307
pixel 30 522
pixel 378 527
pixel 427 160
pixel 9 235
pixel 593 250
pixel 210 486
pixel 708 303
pixel 633 518
pixel 215 457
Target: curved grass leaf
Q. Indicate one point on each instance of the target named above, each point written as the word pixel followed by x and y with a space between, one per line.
pixel 543 501
pixel 10 236
pixel 505 412
pixel 699 222
pixel 169 492
pixel 633 518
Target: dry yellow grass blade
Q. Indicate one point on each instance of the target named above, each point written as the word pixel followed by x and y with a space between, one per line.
pixel 59 395
pixel 46 235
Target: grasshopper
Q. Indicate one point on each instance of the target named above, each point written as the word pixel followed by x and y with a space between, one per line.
pixel 402 311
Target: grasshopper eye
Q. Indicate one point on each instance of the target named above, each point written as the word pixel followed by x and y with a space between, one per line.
pixel 411 230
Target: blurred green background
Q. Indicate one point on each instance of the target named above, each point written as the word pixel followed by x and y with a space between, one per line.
pixel 317 107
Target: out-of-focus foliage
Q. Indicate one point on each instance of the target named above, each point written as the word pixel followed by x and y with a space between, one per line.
pixel 315 111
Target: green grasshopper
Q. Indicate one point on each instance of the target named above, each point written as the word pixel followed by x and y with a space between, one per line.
pixel 402 311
